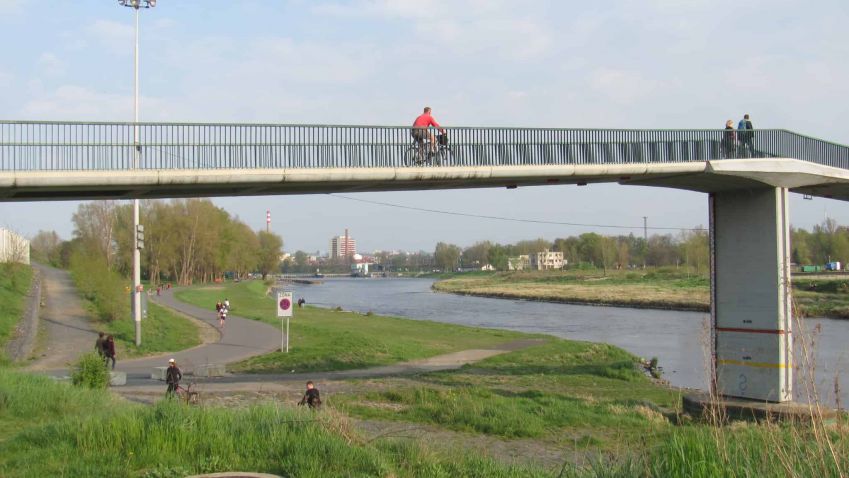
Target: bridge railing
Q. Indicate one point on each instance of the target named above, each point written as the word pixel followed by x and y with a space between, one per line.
pixel 59 146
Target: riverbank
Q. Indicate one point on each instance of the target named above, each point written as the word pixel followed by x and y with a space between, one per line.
pixel 658 289
pixel 663 289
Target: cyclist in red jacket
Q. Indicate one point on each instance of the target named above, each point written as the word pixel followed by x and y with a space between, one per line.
pixel 421 129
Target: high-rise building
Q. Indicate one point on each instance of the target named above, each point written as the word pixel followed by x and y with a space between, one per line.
pixel 342 246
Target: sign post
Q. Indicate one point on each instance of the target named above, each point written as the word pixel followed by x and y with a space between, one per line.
pixel 284 309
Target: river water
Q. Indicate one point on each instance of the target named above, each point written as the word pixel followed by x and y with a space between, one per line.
pixel 678 339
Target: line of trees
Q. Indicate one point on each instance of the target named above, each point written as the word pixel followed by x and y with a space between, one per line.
pixel 689 248
pixel 186 240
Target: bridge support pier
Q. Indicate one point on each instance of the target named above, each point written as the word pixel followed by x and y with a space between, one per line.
pixel 750 294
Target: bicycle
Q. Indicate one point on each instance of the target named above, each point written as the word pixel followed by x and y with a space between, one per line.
pixel 419 153
pixel 187 394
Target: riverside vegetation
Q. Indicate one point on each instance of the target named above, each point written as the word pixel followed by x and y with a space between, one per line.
pixel 585 400
pixel 661 288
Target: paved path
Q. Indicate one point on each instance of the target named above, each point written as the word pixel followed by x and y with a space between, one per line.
pixel 240 339
pixel 68 328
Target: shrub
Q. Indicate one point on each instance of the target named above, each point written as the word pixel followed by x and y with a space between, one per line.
pixel 90 371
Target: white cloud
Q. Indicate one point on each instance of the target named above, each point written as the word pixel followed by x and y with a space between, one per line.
pixel 78 103
pixel 116 36
pixel 51 64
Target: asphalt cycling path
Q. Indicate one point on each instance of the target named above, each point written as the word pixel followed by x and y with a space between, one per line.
pixel 240 339
pixel 69 332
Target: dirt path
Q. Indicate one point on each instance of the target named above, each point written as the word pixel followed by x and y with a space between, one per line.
pixel 65 322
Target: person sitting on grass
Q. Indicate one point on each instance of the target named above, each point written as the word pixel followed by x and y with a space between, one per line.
pixel 311 397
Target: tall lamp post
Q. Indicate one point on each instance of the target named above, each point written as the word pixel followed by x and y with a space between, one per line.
pixel 138 234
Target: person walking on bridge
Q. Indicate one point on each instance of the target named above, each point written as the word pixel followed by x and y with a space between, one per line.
pixel 746 136
pixel 729 140
pixel 421 127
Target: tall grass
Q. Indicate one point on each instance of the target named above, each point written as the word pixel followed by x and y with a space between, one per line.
pixel 15 280
pixel 53 429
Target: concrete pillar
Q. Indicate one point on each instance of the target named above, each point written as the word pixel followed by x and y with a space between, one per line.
pixel 750 294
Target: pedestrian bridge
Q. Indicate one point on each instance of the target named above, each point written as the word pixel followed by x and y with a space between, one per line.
pixel 62 160
pixel 748 180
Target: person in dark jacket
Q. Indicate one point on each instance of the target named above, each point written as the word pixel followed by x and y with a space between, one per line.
pixel 729 140
pixel 746 137
pixel 98 344
pixel 311 397
pixel 172 377
pixel 109 351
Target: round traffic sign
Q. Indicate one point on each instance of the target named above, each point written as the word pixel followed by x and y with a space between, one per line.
pixel 285 303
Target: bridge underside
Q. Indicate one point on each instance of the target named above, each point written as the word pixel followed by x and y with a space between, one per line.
pixel 708 176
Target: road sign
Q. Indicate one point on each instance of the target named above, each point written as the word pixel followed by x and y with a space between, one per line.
pixel 284 304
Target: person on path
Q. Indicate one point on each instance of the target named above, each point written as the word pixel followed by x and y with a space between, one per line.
pixel 172 377
pixel 109 351
pixel 218 306
pixel 98 344
pixel 729 140
pixel 227 304
pixel 311 397
pixel 746 136
pixel 301 302
pixel 421 127
pixel 222 316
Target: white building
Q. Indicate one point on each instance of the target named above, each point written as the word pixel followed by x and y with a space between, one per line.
pixel 546 260
pixel 519 263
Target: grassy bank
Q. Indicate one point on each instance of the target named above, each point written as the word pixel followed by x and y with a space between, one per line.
pixel 53 429
pixel 324 339
pixel 661 288
pixel 664 288
pixel 162 331
pixel 15 281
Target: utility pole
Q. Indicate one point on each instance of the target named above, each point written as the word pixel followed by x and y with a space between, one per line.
pixel 137 230
pixel 645 239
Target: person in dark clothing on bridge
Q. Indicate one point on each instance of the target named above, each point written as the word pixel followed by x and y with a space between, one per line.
pixel 172 377
pixel 729 140
pixel 746 137
pixel 311 397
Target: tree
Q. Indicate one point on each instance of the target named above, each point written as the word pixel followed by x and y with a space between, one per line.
pixel 498 257
pixel 94 225
pixel 268 255
pixel 46 247
pixel 477 254
pixel 446 256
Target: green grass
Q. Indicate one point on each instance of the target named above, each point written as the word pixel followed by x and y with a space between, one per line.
pixel 53 429
pixel 577 394
pixel 15 281
pixel 162 331
pixel 323 339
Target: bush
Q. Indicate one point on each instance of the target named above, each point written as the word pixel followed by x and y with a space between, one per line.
pixel 103 287
pixel 90 371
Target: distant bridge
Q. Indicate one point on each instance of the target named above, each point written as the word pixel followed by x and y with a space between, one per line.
pixel 748 183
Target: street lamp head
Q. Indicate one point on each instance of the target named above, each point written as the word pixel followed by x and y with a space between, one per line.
pixel 137 3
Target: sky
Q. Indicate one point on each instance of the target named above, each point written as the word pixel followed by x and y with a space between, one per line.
pixel 616 64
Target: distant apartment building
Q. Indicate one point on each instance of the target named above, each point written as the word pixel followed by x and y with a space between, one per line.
pixel 546 260
pixel 342 246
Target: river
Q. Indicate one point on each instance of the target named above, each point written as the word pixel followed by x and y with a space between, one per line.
pixel 678 339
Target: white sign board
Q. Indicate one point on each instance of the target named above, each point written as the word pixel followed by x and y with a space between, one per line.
pixel 284 304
